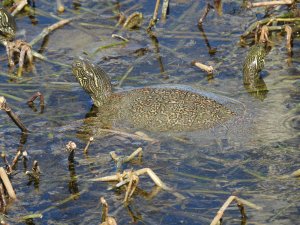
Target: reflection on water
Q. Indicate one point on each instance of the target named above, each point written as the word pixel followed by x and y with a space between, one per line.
pixel 257 88
pixel 247 155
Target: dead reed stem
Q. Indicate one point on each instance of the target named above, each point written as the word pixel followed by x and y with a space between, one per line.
pixel 155 14
pixel 20 6
pixel 164 10
pixel 12 115
pixel 270 3
pixel 7 184
pixel 240 203
pixel 208 69
pixel 60 6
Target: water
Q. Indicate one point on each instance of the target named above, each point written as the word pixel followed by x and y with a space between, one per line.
pixel 247 157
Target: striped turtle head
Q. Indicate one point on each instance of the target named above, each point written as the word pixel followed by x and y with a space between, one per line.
pixel 8 25
pixel 93 80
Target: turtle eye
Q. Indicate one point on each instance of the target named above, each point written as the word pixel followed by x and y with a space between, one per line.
pixel 78 64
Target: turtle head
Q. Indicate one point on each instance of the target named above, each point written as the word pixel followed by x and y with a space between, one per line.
pixel 7 25
pixel 93 80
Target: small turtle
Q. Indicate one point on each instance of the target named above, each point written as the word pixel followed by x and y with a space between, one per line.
pixel 254 63
pixel 7 25
pixel 155 108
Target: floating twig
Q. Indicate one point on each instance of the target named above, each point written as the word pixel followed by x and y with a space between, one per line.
pixel 87 145
pixel 7 184
pixel 119 37
pixel 19 7
pixel 270 3
pixel 207 9
pixel 240 203
pixel 12 115
pixel 208 69
pixel 106 220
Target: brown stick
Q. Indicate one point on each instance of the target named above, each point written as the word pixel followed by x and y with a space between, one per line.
pixel 7 184
pixel 289 33
pixel 30 101
pixel 12 115
pixel 15 160
pixel 264 35
pixel 207 9
pixel 2 196
pixel 33 97
pixel 271 3
pixel 218 7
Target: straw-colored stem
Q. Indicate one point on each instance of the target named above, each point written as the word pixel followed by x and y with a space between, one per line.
pixel 240 202
pixel 208 69
pixel 270 3
pixel 164 10
pixel 107 178
pixel 20 6
pixel 85 150
pixel 60 6
pixel 154 18
pixel 7 184
pixel 221 211
pixel 154 177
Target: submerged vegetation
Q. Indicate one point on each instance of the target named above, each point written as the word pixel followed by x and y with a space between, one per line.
pixel 248 53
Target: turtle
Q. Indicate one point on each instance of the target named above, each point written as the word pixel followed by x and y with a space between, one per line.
pixel 252 66
pixel 154 108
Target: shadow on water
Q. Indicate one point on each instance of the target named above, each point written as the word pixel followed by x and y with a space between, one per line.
pixel 247 155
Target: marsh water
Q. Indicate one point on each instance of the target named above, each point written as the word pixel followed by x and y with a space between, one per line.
pixel 247 157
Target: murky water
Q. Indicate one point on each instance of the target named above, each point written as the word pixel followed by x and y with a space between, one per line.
pixel 247 156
